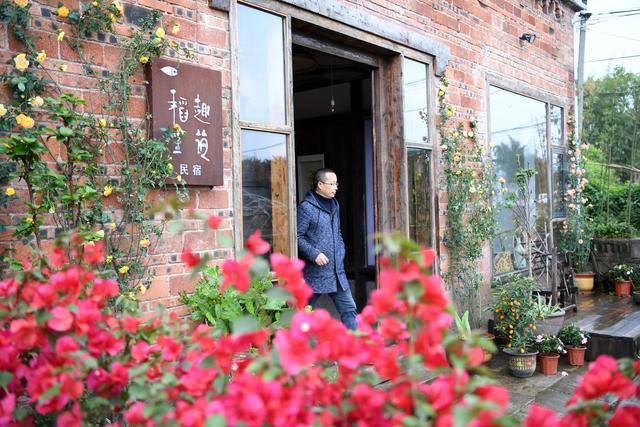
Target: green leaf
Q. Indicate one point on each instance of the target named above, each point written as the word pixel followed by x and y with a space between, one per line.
pixel 216 420
pixel 52 392
pixel 137 391
pixel 21 87
pixel 65 131
pixel 207 362
pixel 278 293
pixel 5 378
pixel 245 324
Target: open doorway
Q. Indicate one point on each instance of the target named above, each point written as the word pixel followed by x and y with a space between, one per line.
pixel 333 129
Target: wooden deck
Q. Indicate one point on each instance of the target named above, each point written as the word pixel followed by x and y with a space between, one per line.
pixel 613 322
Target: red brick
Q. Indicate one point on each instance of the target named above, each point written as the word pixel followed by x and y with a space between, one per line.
pixel 182 283
pixel 213 199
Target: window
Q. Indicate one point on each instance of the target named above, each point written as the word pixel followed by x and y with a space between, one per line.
pixel 519 134
pixel 416 133
pixel 559 181
pixel 264 127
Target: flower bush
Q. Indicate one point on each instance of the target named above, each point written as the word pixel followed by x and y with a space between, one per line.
pixel 621 272
pixel 547 344
pixel 514 311
pixel 68 359
pixel 574 336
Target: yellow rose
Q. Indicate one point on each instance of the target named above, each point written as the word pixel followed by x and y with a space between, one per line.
pixel 111 226
pixel 179 178
pixel 103 123
pixel 107 190
pixel 21 61
pixel 25 122
pixel 94 4
pixel 124 269
pixel 29 219
pixel 141 289
pixel 471 134
pixel 170 166
pixel 449 113
pixel 144 59
pixel 108 259
pixel 3 110
pixel 62 67
pixel 160 33
pixel 63 12
pixel 144 243
pixel 37 101
pixel 42 55
pixel 9 191
pixel 100 233
pixel 175 28
pixel 118 6
pixel 157 41
pixel 113 18
pixel 21 3
pixel 60 36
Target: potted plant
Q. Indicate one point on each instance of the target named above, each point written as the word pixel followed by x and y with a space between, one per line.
pixel 549 317
pixel 575 341
pixel 514 316
pixel 621 275
pixel 549 347
pixel 465 333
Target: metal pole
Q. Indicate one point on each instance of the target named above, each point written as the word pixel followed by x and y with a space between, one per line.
pixel 581 47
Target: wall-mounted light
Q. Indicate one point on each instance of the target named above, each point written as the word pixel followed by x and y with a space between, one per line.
pixel 527 37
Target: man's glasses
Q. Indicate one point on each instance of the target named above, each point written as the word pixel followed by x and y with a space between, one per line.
pixel 333 184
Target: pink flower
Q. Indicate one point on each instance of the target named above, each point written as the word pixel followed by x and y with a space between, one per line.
pixel 190 258
pixel 540 417
pixel 256 245
pixel 214 221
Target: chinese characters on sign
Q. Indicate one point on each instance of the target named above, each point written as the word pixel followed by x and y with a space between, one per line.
pixel 189 97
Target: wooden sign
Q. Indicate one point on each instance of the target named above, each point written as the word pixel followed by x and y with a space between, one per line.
pixel 191 98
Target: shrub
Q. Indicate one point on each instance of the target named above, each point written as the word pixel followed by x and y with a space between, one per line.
pixel 612 227
pixel 547 344
pixel 620 272
pixel 573 335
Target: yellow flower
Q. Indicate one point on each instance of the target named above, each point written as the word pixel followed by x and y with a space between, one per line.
pixel 170 166
pixel 21 3
pixel 108 259
pixel 100 234
pixel 63 12
pixel 144 59
pixel 118 6
pixel 42 55
pixel 60 36
pixel 111 226
pixel 157 41
pixel 29 219
pixel 179 178
pixel 472 189
pixel 94 4
pixel 37 101
pixel 471 134
pixel 108 189
pixel 113 18
pixel 141 289
pixel 103 123
pixel 3 110
pixel 175 28
pixel 25 121
pixel 124 269
pixel 449 113
pixel 177 128
pixel 21 61
pixel 160 33
pixel 144 243
pixel 441 93
pixel 9 191
pixel 62 67
pixel 502 181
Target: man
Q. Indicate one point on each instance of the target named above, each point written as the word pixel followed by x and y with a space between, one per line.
pixel 321 246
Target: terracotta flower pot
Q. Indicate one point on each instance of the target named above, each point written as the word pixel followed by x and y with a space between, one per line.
pixel 584 281
pixel 576 355
pixel 549 363
pixel 623 289
pixel 487 354
pixel 521 365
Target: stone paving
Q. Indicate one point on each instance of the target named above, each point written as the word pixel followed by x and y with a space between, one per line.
pixel 551 391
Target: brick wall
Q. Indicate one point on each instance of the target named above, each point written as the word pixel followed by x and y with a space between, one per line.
pixel 482 35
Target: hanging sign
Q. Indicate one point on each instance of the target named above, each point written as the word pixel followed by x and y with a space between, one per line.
pixel 190 97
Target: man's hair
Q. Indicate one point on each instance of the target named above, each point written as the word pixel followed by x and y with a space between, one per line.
pixel 321 175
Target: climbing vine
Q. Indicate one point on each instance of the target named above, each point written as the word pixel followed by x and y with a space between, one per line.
pixel 470 215
pixel 86 169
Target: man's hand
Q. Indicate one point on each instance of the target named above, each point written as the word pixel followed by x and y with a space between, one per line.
pixel 322 259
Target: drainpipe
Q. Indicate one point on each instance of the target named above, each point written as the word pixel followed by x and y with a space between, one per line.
pixel 584 16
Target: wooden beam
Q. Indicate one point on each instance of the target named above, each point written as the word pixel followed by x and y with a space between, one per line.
pixel 334 49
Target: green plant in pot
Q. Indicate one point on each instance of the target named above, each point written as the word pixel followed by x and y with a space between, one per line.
pixel 514 315
pixel 549 317
pixel 621 276
pixel 575 341
pixel 549 347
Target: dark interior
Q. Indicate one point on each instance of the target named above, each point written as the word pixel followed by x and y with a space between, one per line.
pixel 337 131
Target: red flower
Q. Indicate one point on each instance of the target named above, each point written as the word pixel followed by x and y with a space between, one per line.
pixel 214 221
pixel 25 333
pixel 7 405
pixel 625 416
pixel 170 348
pixel 603 377
pixel 130 324
pixel 65 345
pixel 58 258
pixel 94 252
pixel 236 273
pixel 190 258
pixel 256 245
pixel 61 319
pixel 103 289
pixel 495 394
pixel 140 351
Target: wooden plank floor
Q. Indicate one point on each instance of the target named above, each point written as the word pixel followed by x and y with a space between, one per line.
pixel 613 322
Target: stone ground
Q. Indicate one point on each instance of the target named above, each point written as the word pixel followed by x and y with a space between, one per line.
pixel 551 391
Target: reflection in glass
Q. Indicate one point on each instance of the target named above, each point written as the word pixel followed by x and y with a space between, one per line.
pixel 265 189
pixel 414 75
pixel 559 182
pixel 261 53
pixel 418 168
pixel 518 133
pixel 557 122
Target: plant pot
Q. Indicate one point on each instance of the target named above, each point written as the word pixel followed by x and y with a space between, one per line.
pixel 584 281
pixel 551 324
pixel 576 355
pixel 623 289
pixel 521 365
pixel 487 354
pixel 549 363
